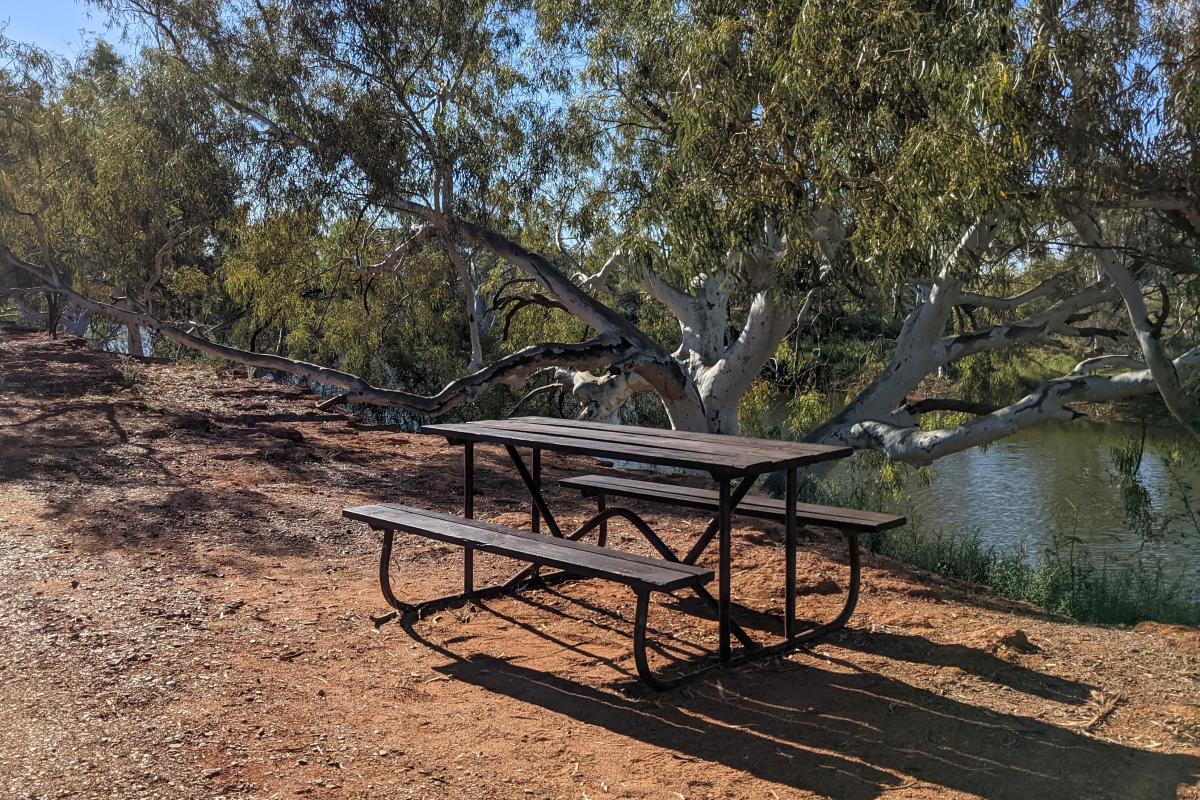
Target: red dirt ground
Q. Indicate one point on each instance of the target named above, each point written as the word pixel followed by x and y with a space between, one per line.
pixel 186 615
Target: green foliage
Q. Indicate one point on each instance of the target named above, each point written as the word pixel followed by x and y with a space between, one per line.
pixel 1003 377
pixel 1066 581
pixel 1144 517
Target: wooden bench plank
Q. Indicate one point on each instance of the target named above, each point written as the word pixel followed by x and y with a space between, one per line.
pixel 845 519
pixel 576 557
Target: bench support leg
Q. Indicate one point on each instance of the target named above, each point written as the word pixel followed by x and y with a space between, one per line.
pixel 385 583
pixel 657 683
pixel 725 558
pixel 601 503
pixel 535 518
pixel 851 598
pixel 639 650
pixel 469 593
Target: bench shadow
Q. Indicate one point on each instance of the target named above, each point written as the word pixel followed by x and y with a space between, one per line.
pixel 902 647
pixel 843 732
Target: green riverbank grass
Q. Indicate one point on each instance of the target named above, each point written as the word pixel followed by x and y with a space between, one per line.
pixel 1066 581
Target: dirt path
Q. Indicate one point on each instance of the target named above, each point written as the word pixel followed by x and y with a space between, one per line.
pixel 186 615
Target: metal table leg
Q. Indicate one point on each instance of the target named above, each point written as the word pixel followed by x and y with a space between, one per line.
pixel 725 545
pixel 534 511
pixel 469 513
pixel 789 549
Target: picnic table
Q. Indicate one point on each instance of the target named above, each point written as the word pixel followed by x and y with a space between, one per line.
pixel 733 463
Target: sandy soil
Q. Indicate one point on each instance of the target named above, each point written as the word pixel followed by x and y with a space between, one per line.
pixel 186 615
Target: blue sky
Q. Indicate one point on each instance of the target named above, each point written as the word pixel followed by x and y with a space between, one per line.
pixel 54 25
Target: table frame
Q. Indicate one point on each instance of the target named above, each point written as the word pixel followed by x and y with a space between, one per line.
pixel 719 527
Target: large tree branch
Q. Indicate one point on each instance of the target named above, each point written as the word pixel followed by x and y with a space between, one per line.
pixel 1115 361
pixel 1147 331
pixel 1058 318
pixel 603 350
pixel 656 366
pixel 1049 402
pixel 1044 289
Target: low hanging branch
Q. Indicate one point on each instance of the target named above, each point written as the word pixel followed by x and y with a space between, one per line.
pixel 932 404
pixel 601 351
pixel 1046 403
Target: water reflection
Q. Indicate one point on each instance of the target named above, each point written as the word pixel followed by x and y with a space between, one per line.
pixel 1023 491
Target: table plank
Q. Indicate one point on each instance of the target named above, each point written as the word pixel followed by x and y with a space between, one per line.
pixel 654 437
pixel 706 452
pixel 725 440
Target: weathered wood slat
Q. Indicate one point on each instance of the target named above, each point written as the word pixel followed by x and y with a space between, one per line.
pixel 705 445
pixel 576 557
pixel 646 445
pixel 774 446
pixel 845 519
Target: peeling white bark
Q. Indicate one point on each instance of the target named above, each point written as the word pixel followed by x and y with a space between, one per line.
pixel 470 295
pixel 1165 373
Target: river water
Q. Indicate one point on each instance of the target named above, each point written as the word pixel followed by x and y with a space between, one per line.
pixel 1021 492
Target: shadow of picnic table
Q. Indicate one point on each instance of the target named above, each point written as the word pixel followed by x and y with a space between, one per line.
pixel 842 731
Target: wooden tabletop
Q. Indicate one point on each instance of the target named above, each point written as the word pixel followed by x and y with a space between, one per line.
pixel 708 452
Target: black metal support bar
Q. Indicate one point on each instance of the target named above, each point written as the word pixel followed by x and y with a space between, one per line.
pixel 385 584
pixel 725 546
pixel 601 502
pixel 706 538
pixel 469 513
pixel 534 515
pixel 789 549
pixel 661 684
pixel 469 480
pixel 535 492
pixel 601 519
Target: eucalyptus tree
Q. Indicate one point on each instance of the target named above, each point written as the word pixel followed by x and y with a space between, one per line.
pixel 111 178
pixel 736 166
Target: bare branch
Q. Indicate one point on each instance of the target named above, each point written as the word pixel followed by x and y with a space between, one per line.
pixel 393 260
pixel 1044 289
pixel 1057 319
pixel 1090 365
pixel 156 276
pixel 600 279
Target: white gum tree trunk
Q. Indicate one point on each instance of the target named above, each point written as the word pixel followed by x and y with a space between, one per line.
pixel 715 371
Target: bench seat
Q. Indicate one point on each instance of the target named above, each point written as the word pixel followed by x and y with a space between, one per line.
pixel 578 558
pixel 844 519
